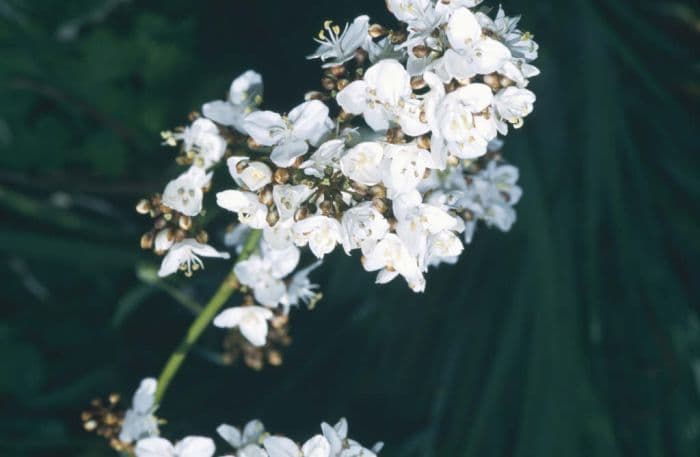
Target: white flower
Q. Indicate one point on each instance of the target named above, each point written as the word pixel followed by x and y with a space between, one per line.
pixel 263 273
pixel 362 163
pixel 244 95
pixel 512 105
pixel 246 443
pixel 443 246
pixel 290 136
pixel 300 289
pixel 184 256
pixel 184 193
pixel 327 155
pixel 378 95
pixel 251 320
pixel 246 204
pixel 335 47
pixel 279 236
pixel 384 49
pixel 409 11
pixel 471 52
pixel 139 421
pixel 163 241
pixel 252 175
pixel 460 126
pixel 287 198
pixel 520 44
pixel 363 226
pixel 392 258
pixel 202 141
pixel 404 167
pixel 322 233
pixel 192 446
pixel 341 445
pixel 278 446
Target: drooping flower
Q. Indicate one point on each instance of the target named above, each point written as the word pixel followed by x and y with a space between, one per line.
pixel 250 320
pixel 184 255
pixel 139 421
pixel 244 96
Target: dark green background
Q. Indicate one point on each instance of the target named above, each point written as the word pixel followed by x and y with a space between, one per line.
pixel 574 335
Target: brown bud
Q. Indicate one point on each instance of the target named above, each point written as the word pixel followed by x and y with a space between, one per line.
pixel 361 56
pixel 338 71
pixel 265 195
pixel 143 206
pixel 359 188
pixel 147 240
pixel 114 398
pixel 398 36
pixel 274 358
pixel 328 83
pixel 376 31
pixel 202 237
pixel 180 235
pixel 342 84
pixel 301 213
pixel 326 207
pixel 281 176
pixel 418 83
pixel 345 116
pixel 184 222
pixel 424 142
pixel 193 116
pixel 90 425
pixel 493 81
pixel 421 51
pixel 378 191
pixel 160 223
pixel 380 205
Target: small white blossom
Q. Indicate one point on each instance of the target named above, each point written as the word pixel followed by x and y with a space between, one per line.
pixel 244 96
pixel 290 136
pixel 192 446
pixel 246 443
pixel 264 273
pixel 404 167
pixel 139 421
pixel 336 47
pixel 253 175
pixel 287 198
pixel 363 163
pixel 278 446
pixel 363 226
pixel 392 258
pixel 378 95
pixel 184 193
pixel 251 320
pixel 512 105
pixel 246 205
pixel 321 233
pixel 184 256
pixel 326 156
pixel 300 289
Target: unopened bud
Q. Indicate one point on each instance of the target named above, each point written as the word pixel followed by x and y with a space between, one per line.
pixel 301 213
pixel 376 31
pixel 326 207
pixel 242 165
pixel 378 191
pixel 147 240
pixel 281 176
pixel 143 206
pixel 418 83
pixel 493 81
pixel 202 237
pixel 342 84
pixel 314 95
pixel 338 71
pixel 274 358
pixel 265 195
pixel 328 83
pixel 273 216
pixel 421 51
pixel 184 222
pixel 380 205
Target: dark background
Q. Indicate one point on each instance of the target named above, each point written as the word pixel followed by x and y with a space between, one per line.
pixel 577 334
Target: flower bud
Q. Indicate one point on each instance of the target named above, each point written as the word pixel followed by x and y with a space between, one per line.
pixel 380 205
pixel 314 95
pixel 273 216
pixel 202 237
pixel 143 206
pixel 493 81
pixel 326 207
pixel 281 176
pixel 421 51
pixel 376 31
pixel 301 213
pixel 328 83
pixel 184 222
pixel 337 71
pixel 418 83
pixel 342 84
pixel 265 196
pixel 147 240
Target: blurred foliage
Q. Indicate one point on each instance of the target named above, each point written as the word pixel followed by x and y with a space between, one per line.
pixel 577 334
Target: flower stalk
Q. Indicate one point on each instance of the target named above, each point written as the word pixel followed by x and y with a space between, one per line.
pixel 228 286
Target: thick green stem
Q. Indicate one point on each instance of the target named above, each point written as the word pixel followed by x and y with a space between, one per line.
pixel 229 285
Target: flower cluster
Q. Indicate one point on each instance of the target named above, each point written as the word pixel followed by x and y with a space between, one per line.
pixel 140 434
pixel 397 156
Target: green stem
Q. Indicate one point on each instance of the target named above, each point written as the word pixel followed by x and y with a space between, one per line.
pixel 229 285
